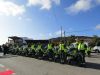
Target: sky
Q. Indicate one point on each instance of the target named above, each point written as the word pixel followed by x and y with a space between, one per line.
pixel 43 19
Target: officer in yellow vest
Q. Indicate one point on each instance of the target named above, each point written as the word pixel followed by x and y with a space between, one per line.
pixel 33 47
pixel 76 46
pixel 88 51
pixel 39 47
pixel 50 52
pixel 32 50
pixel 49 47
pixel 62 47
pixel 82 48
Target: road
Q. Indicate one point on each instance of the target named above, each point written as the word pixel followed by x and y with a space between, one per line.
pixel 30 66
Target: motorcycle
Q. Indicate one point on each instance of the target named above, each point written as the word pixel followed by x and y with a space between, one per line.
pixel 49 55
pixel 31 52
pixel 39 53
pixel 75 58
pixel 62 56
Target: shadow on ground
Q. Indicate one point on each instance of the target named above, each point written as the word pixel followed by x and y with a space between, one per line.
pixel 93 65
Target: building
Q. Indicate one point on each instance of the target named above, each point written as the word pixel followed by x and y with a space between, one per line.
pixel 24 40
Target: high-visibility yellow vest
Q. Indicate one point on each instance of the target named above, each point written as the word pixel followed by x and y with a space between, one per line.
pixel 39 46
pixel 33 47
pixel 88 48
pixel 49 46
pixel 61 46
pixel 81 46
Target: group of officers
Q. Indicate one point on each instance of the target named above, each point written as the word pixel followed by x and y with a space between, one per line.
pixel 79 45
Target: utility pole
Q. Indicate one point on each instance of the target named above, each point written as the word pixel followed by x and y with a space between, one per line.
pixel 64 36
pixel 61 33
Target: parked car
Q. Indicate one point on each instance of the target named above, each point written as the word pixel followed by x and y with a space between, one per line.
pixel 96 49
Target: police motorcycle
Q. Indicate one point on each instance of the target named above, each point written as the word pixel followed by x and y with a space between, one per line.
pixel 20 50
pixel 49 54
pixel 31 51
pixel 62 56
pixel 11 49
pixel 45 56
pixel 62 53
pixel 25 50
pixel 16 50
pixel 75 57
pixel 39 52
pixel 56 54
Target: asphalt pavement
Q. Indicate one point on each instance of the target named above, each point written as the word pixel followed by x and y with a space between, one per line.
pixel 30 66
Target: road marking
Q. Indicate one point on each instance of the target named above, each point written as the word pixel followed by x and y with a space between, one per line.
pixel 7 71
pixel 2 66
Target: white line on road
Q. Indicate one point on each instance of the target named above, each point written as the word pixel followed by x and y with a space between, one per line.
pixel 2 66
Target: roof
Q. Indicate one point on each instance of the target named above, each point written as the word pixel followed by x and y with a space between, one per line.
pixel 14 37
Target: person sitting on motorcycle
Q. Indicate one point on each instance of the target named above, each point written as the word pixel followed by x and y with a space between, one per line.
pixel 62 51
pixel 39 49
pixel 61 47
pixel 32 50
pixel 88 51
pixel 82 48
pixel 50 52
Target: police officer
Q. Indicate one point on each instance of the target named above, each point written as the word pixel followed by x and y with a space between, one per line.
pixel 50 52
pixel 49 47
pixel 62 51
pixel 39 48
pixel 0 48
pixel 88 51
pixel 32 50
pixel 33 46
pixel 82 48
pixel 5 49
pixel 62 47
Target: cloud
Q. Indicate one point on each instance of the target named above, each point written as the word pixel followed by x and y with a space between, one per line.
pixel 80 5
pixel 44 4
pixel 97 27
pixel 9 8
pixel 50 34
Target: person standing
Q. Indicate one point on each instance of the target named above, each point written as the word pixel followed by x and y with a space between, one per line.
pixel 5 49
pixel 0 48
